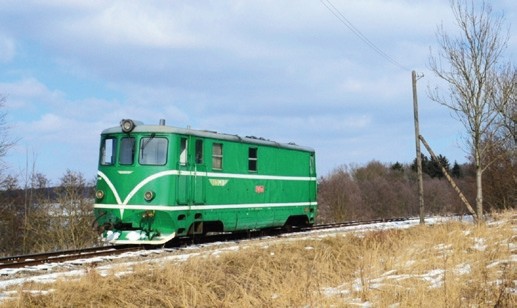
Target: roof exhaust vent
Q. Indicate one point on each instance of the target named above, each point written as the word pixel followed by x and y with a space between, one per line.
pixel 162 122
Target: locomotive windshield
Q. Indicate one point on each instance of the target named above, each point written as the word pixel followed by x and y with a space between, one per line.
pixel 151 151
pixel 127 151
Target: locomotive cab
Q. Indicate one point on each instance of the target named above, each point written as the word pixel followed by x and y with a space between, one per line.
pixel 128 198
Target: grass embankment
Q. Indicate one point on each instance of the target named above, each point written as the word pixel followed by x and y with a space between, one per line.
pixel 446 265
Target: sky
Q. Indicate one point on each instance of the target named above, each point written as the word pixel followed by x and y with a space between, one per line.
pixel 288 71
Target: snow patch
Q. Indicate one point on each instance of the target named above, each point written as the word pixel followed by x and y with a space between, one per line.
pixel 479 244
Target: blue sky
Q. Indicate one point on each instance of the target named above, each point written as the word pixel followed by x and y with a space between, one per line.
pixel 288 71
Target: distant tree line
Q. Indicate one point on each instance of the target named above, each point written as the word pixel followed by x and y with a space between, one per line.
pixel 379 190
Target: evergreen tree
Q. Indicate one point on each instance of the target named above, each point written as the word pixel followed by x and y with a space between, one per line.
pixel 456 170
pixel 397 167
pixel 432 167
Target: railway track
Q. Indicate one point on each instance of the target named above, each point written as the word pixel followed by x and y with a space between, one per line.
pixel 351 223
pixel 62 256
pixel 68 255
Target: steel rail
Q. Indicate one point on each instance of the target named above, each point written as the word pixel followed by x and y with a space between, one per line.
pixel 62 256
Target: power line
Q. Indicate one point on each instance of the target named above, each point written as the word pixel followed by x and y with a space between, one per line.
pixel 358 33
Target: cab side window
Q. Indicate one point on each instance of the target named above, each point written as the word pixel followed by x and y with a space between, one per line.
pixel 183 151
pixel 252 159
pixel 199 151
pixel 108 151
pixel 217 156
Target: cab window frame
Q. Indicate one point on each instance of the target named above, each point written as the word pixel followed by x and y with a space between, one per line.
pixel 126 155
pixel 217 156
pixel 111 151
pixel 153 151
pixel 253 159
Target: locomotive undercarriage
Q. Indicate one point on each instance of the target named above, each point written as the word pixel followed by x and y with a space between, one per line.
pixel 146 230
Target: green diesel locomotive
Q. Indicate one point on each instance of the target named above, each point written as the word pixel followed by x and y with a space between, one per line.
pixel 157 182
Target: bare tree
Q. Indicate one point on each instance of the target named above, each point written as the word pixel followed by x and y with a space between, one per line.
pixel 74 214
pixel 340 198
pixel 63 221
pixel 471 65
pixel 10 216
pixel 5 142
pixel 508 88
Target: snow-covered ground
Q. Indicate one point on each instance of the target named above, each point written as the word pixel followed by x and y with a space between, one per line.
pixel 47 273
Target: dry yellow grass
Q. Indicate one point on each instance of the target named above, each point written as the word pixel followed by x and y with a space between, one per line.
pixel 447 265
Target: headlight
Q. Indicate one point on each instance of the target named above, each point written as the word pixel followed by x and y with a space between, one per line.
pixel 148 196
pixel 127 125
pixel 99 194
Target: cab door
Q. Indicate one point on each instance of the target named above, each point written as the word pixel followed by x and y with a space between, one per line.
pixel 183 187
pixel 199 174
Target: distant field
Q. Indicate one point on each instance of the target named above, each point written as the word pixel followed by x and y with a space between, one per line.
pixel 443 265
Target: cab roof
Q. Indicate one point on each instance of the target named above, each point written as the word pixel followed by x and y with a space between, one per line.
pixel 166 129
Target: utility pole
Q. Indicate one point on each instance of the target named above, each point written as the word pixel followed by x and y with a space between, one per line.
pixel 414 78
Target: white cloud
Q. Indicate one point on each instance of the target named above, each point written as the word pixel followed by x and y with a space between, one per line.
pixel 27 98
pixel 134 24
pixel 49 123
